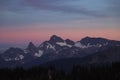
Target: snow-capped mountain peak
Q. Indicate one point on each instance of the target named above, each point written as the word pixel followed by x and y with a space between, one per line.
pixel 57 48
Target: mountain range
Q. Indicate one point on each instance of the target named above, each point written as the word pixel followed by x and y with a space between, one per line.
pixel 57 50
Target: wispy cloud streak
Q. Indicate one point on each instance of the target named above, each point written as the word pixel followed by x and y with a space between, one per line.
pixel 49 5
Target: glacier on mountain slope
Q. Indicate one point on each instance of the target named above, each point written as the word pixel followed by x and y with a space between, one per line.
pixel 19 57
pixel 63 44
pixel 39 54
pixel 50 46
pixel 78 44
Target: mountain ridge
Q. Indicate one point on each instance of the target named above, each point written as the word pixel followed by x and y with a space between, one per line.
pixel 56 48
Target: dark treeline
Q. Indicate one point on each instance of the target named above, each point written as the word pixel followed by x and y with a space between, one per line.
pixel 78 73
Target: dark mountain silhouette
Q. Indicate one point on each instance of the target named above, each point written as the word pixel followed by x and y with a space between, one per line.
pixel 70 42
pixel 55 39
pixel 57 48
pixel 107 57
pixel 32 48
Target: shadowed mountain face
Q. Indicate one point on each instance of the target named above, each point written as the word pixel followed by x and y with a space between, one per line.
pixel 100 41
pixel 55 39
pixel 106 57
pixel 32 48
pixel 13 54
pixel 58 48
pixel 94 41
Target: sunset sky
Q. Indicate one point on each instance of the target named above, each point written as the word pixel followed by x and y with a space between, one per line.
pixel 22 21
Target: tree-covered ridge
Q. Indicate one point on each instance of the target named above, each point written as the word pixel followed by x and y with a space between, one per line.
pixel 111 72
